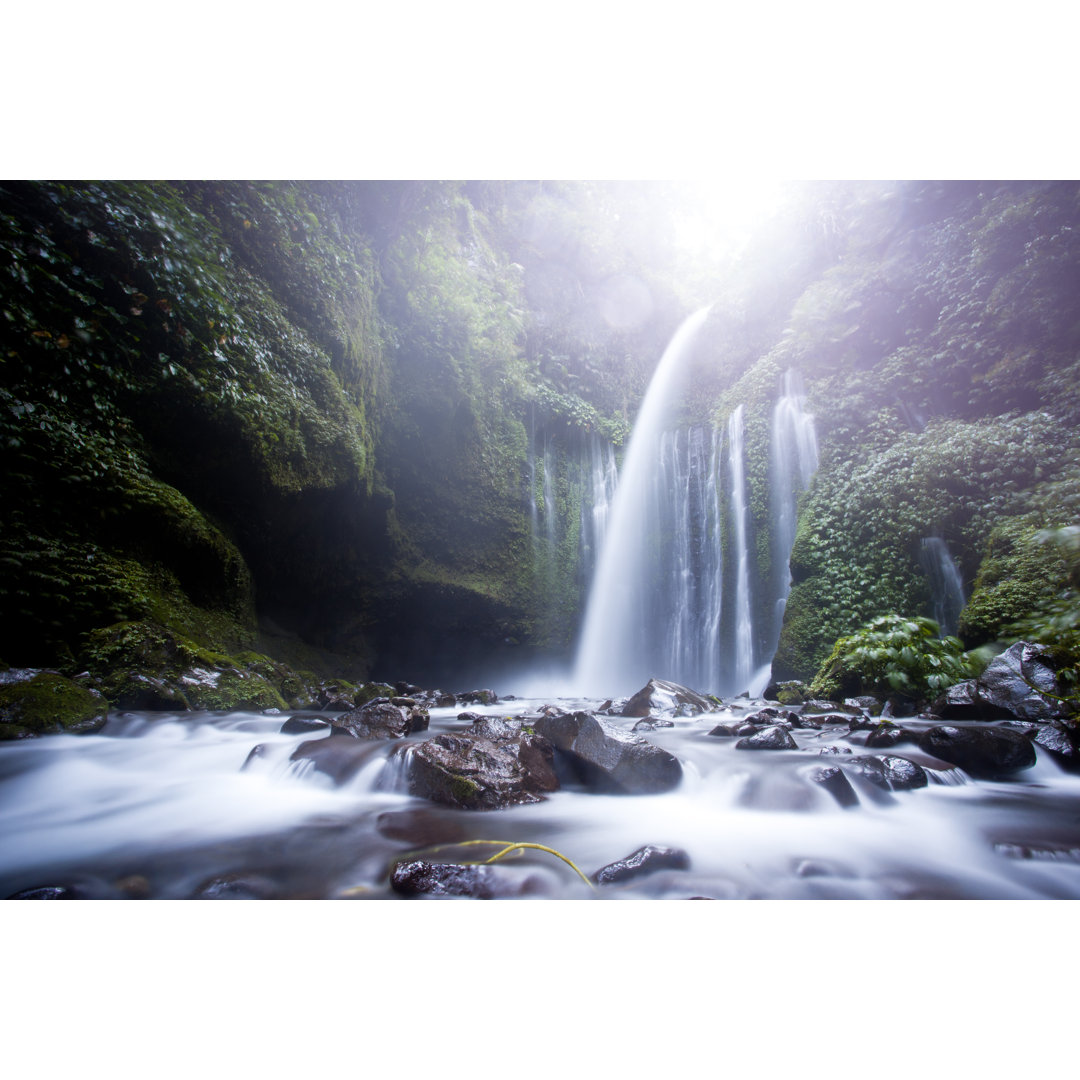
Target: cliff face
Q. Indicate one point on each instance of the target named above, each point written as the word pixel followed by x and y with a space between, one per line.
pixel 940 353
pixel 251 413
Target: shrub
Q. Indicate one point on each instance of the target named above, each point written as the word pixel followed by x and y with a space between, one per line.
pixel 893 654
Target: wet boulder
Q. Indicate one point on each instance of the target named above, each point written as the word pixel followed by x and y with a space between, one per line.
pixel 607 758
pixel 304 725
pixel 419 878
pixel 383 719
pixel 651 723
pixel 339 759
pixel 885 735
pixel 729 729
pixel 646 860
pixel 492 727
pixel 474 772
pixel 987 753
pixel 477 697
pixel 888 772
pixel 770 738
pixel 831 778
pixel 1019 683
pixel 659 696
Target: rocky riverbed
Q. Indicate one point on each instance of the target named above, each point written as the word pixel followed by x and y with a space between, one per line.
pixel 668 794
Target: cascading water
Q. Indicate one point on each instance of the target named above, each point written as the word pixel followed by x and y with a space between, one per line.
pixel 946 584
pixel 598 491
pixel 744 628
pixel 621 643
pixel 690 602
pixel 794 461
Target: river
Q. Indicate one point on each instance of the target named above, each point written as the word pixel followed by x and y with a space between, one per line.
pixel 164 806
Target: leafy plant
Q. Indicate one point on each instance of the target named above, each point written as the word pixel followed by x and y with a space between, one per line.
pixel 893 654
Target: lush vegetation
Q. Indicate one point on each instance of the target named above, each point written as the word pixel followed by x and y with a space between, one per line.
pixel 250 418
pixel 893 655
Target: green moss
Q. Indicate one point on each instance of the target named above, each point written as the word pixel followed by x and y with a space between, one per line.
pixel 46 704
pixel 463 791
pixel 1017 575
pixel 144 664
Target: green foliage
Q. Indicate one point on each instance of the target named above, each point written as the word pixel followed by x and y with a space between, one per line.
pixel 1055 621
pixel 856 549
pixel 892 655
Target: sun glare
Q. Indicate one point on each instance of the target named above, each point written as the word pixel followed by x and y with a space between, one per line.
pixel 723 213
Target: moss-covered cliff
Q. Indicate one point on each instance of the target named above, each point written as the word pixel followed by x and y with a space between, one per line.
pixel 249 419
pixel 940 350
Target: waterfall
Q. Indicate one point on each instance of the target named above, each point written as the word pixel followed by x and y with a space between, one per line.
pixel 571 478
pixel 946 585
pixel 689 605
pixel 744 628
pixel 598 491
pixel 794 459
pixel 622 643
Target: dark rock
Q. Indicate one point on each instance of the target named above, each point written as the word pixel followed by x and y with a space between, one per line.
pixel 477 697
pixel 608 758
pixel 822 707
pixel 888 772
pixel 651 723
pixel 304 725
pixel 884 735
pixel 493 727
pixel 731 728
pixel 419 878
pixel 771 738
pixel 832 779
pixel 1018 678
pixel 445 701
pixel 985 753
pixel 646 860
pixel 477 773
pixel 727 730
pixel 380 719
pixel 866 704
pixel 407 689
pixel 335 702
pixel 1019 683
pixel 1062 741
pixel 147 693
pixel 833 749
pixel 962 702
pixel 48 892
pixel 340 759
pixel 658 696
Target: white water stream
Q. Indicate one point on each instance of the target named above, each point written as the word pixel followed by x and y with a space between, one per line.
pixel 160 805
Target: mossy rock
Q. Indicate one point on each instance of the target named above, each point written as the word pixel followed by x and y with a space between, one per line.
pixel 47 704
pixel 145 665
pixel 372 690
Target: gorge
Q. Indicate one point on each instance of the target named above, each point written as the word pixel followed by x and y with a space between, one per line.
pixel 308 449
